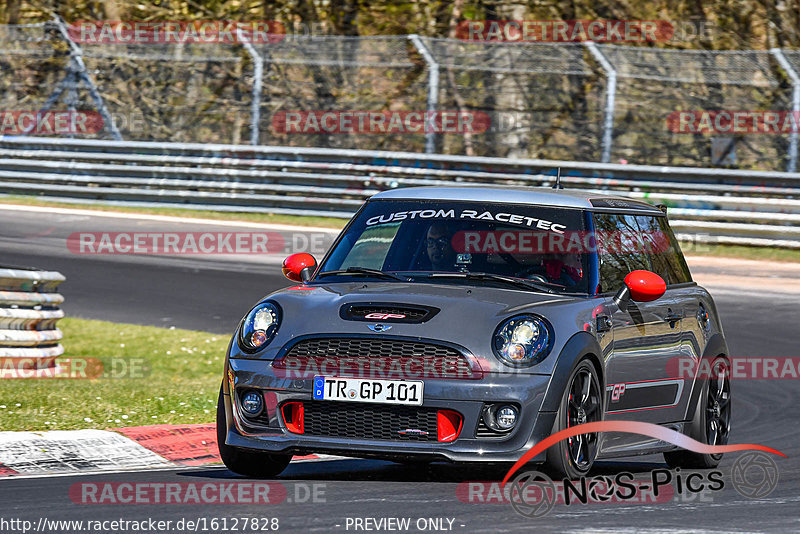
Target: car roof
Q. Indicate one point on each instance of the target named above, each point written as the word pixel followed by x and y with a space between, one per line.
pixel 539 196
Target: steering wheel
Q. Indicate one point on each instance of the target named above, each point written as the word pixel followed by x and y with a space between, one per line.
pixel 531 274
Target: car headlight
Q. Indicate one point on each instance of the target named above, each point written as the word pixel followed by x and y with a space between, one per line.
pixel 523 341
pixel 259 326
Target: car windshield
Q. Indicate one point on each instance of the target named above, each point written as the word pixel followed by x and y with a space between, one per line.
pixel 465 242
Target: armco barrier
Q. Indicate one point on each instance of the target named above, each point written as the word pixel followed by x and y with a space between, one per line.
pixel 723 205
pixel 29 310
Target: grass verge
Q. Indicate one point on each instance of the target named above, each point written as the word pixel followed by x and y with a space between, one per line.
pixel 156 376
pixel 270 218
pixel 742 252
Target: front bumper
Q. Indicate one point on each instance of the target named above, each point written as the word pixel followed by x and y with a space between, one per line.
pixel 468 397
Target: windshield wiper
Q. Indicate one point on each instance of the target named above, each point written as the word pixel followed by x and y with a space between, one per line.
pixel 363 271
pixel 518 282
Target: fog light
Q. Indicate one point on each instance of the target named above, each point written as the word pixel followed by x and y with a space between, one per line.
pixel 506 417
pixel 252 403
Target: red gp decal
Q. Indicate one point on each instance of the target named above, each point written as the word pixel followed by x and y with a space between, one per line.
pixel 617 392
pixel 384 316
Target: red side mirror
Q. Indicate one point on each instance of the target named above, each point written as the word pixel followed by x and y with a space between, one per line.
pixel 645 286
pixel 299 267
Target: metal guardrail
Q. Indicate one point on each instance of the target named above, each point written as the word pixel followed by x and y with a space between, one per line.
pixel 731 206
pixel 29 310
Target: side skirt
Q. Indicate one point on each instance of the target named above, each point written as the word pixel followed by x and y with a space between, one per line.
pixel 644 446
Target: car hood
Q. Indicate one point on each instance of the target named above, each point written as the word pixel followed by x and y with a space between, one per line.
pixel 468 314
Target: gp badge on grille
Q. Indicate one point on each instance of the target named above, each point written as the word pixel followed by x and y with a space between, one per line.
pixel 412 432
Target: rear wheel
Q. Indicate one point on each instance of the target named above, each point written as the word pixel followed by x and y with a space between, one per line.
pixel 582 402
pixel 252 464
pixel 712 420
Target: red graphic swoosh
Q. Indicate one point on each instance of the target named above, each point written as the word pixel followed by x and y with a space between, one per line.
pixel 634 427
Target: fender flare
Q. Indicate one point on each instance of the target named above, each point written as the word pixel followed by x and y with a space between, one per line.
pixel 578 347
pixel 715 347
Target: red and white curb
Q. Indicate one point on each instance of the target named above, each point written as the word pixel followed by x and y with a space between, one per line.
pixel 60 452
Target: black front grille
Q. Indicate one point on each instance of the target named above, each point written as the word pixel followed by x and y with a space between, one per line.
pixel 370 421
pixel 378 358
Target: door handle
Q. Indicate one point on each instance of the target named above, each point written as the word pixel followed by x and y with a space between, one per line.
pixel 672 318
pixel 603 323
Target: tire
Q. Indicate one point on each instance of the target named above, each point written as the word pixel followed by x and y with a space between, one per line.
pixel 251 464
pixel 713 411
pixel 574 457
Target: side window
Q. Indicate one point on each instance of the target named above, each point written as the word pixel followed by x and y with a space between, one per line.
pixel 619 247
pixel 662 248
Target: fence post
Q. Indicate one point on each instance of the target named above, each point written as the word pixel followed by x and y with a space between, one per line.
pixel 433 87
pixel 76 57
pixel 258 75
pixel 611 94
pixel 786 66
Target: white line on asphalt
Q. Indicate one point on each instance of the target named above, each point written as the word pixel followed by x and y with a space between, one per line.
pixel 174 467
pixel 111 472
pixel 168 218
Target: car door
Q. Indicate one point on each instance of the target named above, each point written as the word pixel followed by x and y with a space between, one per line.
pixel 667 261
pixel 646 335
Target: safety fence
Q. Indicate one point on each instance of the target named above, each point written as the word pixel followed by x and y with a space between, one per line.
pixel 718 205
pixel 565 101
pixel 29 310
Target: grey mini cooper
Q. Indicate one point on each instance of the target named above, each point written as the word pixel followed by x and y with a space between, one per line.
pixel 467 324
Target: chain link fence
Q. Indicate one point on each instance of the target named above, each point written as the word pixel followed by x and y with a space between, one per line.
pixel 340 74
pixel 652 83
pixel 565 101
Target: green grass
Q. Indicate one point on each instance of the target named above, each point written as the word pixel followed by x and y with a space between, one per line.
pixel 739 251
pixel 180 383
pixel 271 218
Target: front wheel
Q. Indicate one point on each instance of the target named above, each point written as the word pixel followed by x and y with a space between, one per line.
pixel 582 402
pixel 712 420
pixel 251 464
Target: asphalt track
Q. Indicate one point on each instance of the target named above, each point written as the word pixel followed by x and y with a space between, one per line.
pixel 212 294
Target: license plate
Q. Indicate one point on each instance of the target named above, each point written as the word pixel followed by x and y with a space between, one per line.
pixel 361 390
